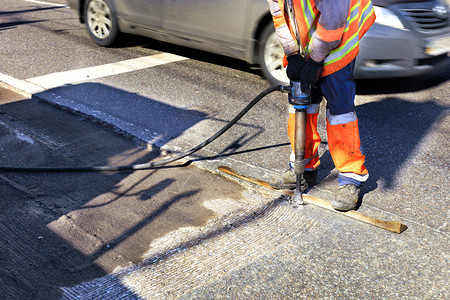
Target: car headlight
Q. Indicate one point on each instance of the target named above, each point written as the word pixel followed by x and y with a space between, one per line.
pixel 441 9
pixel 387 18
pixel 444 2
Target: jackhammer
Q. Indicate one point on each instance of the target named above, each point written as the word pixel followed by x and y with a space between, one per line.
pixel 301 100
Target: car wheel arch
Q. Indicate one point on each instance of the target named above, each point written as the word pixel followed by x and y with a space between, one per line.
pixel 81 4
pixel 265 30
pixel 256 36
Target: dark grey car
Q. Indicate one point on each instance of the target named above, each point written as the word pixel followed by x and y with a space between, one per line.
pixel 409 37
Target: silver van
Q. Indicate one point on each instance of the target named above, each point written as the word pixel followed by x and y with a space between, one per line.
pixel 410 37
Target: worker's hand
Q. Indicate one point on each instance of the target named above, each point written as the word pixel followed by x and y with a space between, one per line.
pixel 310 74
pixel 295 65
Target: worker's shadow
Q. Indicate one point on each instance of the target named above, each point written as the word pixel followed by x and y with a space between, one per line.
pixel 390 131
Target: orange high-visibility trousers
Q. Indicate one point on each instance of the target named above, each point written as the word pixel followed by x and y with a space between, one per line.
pixel 345 145
pixel 343 141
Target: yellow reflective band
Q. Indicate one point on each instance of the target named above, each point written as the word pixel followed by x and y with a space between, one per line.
pixel 367 12
pixel 309 17
pixel 342 51
pixel 311 11
pixel 338 53
pixel 354 13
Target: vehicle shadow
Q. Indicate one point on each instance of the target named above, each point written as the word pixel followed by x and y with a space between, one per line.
pixel 15 12
pixel 15 23
pixel 129 40
pixel 11 25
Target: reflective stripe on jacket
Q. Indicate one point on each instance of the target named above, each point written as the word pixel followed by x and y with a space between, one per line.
pixel 329 30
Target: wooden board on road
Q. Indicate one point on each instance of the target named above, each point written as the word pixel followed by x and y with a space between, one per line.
pixel 393 226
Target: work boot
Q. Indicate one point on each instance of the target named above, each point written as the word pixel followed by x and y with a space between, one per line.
pixel 346 197
pixel 287 181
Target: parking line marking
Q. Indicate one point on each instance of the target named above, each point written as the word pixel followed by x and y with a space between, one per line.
pixel 46 3
pixel 61 78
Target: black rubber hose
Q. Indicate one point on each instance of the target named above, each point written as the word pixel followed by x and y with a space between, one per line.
pixel 152 165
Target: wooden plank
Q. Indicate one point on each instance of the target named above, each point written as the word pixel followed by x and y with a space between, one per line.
pixel 393 226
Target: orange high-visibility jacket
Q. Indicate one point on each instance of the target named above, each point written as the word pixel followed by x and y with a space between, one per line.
pixel 329 30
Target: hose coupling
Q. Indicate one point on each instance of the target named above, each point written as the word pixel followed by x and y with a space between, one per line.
pixel 285 89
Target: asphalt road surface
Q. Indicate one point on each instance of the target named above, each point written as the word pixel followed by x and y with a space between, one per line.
pixel 61 235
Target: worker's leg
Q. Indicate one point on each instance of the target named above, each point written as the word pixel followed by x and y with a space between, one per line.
pixel 343 136
pixel 344 145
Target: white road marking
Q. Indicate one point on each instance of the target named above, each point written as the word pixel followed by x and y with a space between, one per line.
pixel 46 3
pixel 26 88
pixel 41 83
pixel 61 78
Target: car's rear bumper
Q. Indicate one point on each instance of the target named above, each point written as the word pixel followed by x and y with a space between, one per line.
pixel 387 52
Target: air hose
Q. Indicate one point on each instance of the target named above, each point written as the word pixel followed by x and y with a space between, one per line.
pixel 157 164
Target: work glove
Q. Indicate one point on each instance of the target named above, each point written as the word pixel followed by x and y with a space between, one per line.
pixel 295 65
pixel 310 74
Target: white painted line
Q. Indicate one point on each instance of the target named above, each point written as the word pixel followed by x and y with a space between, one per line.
pixel 61 78
pixel 46 3
pixel 27 87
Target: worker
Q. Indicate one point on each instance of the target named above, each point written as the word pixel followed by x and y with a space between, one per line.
pixel 320 39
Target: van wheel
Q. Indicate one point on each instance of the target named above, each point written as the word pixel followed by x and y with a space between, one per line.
pixel 271 57
pixel 101 22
